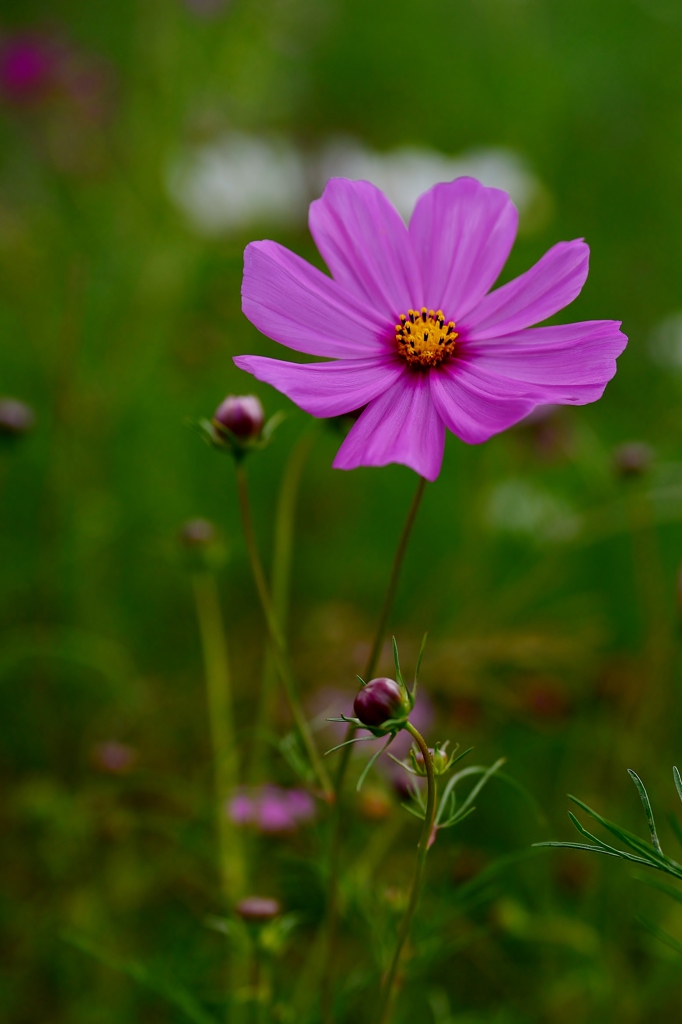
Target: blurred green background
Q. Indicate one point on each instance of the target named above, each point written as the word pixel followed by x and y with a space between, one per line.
pixel 544 563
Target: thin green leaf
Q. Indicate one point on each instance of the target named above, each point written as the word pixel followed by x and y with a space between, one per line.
pixel 473 769
pixel 663 936
pixel 676 827
pixel 655 883
pixel 460 816
pixel 644 797
pixel 678 781
pixel 164 987
pixel 347 743
pixel 398 673
pixel 633 841
pixel 418 666
pixel 605 846
pixel 527 796
pixel 608 851
pixel 471 796
pixel 371 761
pixel 459 757
pixel 418 812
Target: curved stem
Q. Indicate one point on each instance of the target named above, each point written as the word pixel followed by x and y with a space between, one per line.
pixel 423 848
pixel 285 517
pixel 277 639
pixel 337 818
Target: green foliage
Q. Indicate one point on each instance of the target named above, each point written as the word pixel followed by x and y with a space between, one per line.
pixel 547 581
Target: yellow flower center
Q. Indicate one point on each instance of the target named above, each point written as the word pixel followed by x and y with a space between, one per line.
pixel 423 337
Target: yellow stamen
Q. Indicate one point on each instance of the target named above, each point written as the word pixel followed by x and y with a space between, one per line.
pixel 423 337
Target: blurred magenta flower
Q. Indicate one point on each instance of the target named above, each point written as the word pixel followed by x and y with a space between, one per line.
pixel 271 808
pixel 29 64
pixel 16 418
pixel 114 758
pixel 417 339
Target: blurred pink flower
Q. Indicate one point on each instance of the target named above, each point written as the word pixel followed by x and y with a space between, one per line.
pixel 271 808
pixel 416 338
pixel 114 758
pixel 28 66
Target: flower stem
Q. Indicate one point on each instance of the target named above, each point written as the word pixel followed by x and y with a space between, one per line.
pixel 279 589
pixel 337 817
pixel 279 648
pixel 387 992
pixel 221 718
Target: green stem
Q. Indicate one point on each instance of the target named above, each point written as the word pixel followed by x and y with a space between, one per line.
pixel 279 648
pixel 221 718
pixel 387 992
pixel 280 582
pixel 337 817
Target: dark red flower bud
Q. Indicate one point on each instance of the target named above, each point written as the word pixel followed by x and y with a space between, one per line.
pixel 380 700
pixel 15 417
pixel 258 908
pixel 242 415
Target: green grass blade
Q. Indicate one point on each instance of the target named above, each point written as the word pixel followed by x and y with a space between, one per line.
pixel 607 850
pixel 663 936
pixel 644 797
pixel 164 987
pixel 678 781
pixel 371 761
pixel 676 827
pixel 605 846
pixel 634 842
pixel 655 883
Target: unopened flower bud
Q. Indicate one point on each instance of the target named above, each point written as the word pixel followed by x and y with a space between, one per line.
pixel 258 909
pixel 633 459
pixel 381 700
pixel 197 533
pixel 242 415
pixel 16 418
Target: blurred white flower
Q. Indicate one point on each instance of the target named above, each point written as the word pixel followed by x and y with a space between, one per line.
pixel 237 180
pixel 665 342
pixel 522 508
pixel 405 173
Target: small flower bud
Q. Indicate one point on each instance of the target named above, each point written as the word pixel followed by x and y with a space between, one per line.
pixel 16 418
pixel 258 909
pixel 439 760
pixel 114 758
pixel 242 415
pixel 196 533
pixel 381 700
pixel 633 459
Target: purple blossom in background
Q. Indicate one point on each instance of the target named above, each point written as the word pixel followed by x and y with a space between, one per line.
pixel 114 758
pixel 37 66
pixel 28 66
pixel 416 338
pixel 271 808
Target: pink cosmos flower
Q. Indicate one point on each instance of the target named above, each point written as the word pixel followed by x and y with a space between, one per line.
pixel 271 808
pixel 418 341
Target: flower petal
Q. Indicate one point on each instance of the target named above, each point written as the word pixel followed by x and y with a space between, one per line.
pixel 462 233
pixel 401 425
pixel 296 304
pixel 471 408
pixel 327 389
pixel 569 364
pixel 364 242
pixel 551 284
